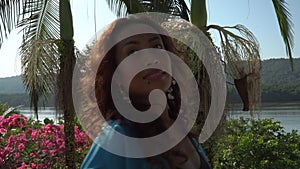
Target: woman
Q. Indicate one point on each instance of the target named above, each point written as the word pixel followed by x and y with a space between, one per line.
pixel 187 154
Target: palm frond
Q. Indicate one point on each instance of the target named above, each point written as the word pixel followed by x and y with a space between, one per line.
pixel 9 14
pixel 39 51
pixel 184 10
pixel 199 13
pixel 285 25
pixel 66 20
pixel 123 7
pixel 174 7
pixel 242 57
pixel 236 47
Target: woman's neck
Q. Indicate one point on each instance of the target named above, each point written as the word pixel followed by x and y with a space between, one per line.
pixel 167 120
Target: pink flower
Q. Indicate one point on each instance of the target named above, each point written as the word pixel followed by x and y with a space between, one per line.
pixel 49 144
pixel 35 134
pixel 21 147
pixel 3 131
pixel 24 166
pixel 61 126
pixel 17 154
pixel 29 131
pixel 44 151
pixel 22 137
pixel 11 140
pixel 8 149
pixel 34 154
pixel 16 120
pixel 40 166
pixel 52 152
pixel 2 154
pixel 47 140
pixel 62 147
pixel 33 165
pixel 59 141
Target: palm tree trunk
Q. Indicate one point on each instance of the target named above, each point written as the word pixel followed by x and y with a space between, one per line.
pixel 67 63
pixel 65 80
pixel 199 13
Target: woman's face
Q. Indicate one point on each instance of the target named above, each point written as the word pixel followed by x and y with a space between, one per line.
pixel 147 80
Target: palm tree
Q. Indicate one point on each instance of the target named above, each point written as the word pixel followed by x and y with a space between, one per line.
pixel 238 50
pixel 47 55
pixel 230 44
pixel 48 48
pixel 198 14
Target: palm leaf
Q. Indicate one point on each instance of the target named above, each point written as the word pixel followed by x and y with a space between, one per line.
pixel 241 54
pixel 122 7
pixel 9 13
pixel 174 7
pixel 39 51
pixel 199 13
pixel 66 20
pixel 286 25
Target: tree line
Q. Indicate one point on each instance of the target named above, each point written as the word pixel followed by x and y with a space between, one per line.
pixel 279 84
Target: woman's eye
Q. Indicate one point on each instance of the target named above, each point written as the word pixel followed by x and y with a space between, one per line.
pixel 158 46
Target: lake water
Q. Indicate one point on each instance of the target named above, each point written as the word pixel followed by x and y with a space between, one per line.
pixel 288 114
pixel 47 112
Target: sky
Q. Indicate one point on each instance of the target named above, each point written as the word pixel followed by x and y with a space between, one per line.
pixel 257 15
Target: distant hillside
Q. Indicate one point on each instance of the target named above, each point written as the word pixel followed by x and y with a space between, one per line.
pixel 277 72
pixel 12 91
pixel 279 84
pixel 11 85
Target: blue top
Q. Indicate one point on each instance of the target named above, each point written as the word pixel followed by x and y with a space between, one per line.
pixel 98 158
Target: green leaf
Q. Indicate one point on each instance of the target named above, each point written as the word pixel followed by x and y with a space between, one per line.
pixel 286 26
pixel 9 16
pixel 122 7
pixel 174 7
pixel 39 51
pixel 199 13
pixel 66 21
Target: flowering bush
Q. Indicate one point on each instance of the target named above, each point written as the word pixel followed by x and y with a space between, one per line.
pixel 28 144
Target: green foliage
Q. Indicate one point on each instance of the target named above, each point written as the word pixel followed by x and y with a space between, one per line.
pixel 174 7
pixel 255 144
pixel 48 121
pixel 286 26
pixel 4 107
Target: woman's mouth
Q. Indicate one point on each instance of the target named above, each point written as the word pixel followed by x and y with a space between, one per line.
pixel 153 74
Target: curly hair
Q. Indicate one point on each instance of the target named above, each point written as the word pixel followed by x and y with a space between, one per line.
pixel 100 96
